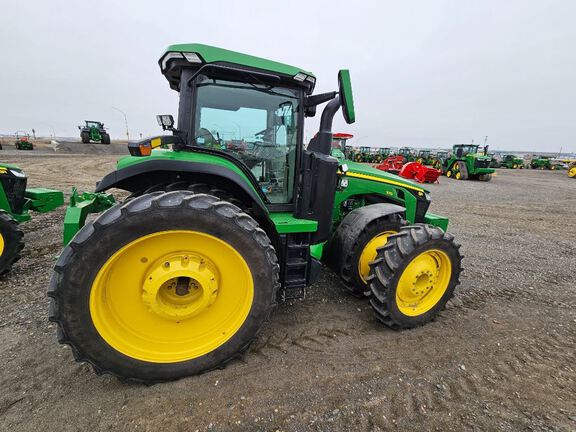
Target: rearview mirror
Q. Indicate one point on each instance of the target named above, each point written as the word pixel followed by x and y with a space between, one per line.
pixel 166 121
pixel 346 97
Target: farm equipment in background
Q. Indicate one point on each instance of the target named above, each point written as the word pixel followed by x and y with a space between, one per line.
pixel 440 157
pixel 339 148
pixel 16 202
pixel 465 162
pixel 420 173
pixel 494 160
pixel 178 279
pixel 364 155
pixel 381 154
pixel 409 154
pixel 572 170
pixel 425 157
pixel 511 162
pixel 94 131
pixel 22 141
pixel 392 164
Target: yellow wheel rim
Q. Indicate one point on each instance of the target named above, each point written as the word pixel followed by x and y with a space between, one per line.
pixel 423 282
pixel 369 253
pixel 448 173
pixel 572 172
pixel 171 296
pixel 1 244
pixel 458 176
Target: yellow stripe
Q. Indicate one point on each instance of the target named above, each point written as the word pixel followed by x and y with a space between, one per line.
pixel 156 142
pixel 381 180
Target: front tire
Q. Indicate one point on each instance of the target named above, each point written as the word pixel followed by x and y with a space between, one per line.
pixel 413 276
pixel 164 286
pixel 356 243
pixel 11 242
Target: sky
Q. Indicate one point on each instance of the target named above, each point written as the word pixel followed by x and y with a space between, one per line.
pixel 427 73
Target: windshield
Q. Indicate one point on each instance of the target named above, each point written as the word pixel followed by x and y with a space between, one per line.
pixel 255 123
pixel 92 124
pixel 468 149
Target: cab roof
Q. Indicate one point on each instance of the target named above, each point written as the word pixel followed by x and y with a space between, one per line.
pixel 196 55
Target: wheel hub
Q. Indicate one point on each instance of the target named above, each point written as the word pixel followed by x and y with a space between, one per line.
pixel 180 286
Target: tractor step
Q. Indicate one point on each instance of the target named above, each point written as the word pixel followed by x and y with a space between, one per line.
pixel 296 271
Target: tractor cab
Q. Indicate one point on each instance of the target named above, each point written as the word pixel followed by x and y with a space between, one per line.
pixel 339 147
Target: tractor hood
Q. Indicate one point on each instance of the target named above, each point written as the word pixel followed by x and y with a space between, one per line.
pixel 369 173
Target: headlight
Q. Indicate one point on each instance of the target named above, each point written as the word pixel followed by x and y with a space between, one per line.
pixel 343 183
pixel 18 174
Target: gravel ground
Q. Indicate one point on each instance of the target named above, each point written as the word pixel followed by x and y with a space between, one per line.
pixel 500 357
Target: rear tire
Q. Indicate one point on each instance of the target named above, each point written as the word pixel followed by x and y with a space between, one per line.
pixel 11 242
pixel 85 137
pixel 414 276
pixel 84 267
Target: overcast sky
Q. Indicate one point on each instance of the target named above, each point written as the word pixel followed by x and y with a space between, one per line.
pixel 425 73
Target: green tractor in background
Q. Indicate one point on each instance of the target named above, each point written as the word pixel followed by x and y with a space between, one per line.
pixel 22 141
pixel 178 278
pixel 408 153
pixel 381 153
pixel 94 131
pixel 465 162
pixel 545 163
pixel 512 162
pixel 364 154
pixel 16 202
pixel 425 157
pixel 440 157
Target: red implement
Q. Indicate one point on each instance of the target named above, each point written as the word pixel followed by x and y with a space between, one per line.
pixel 420 173
pixel 391 164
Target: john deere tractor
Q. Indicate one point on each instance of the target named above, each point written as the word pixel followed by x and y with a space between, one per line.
pixel 22 141
pixel 465 162
pixel 425 157
pixel 408 153
pixel 178 278
pixel 94 131
pixel 16 202
pixel 512 162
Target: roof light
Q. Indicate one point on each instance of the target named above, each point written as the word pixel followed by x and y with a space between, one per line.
pixel 300 77
pixel 311 79
pixel 192 57
pixel 170 56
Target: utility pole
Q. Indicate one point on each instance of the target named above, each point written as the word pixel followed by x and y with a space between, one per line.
pixel 125 121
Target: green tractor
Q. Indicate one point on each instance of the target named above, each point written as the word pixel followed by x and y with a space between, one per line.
pixel 545 163
pixel 16 202
pixel 408 153
pixel 425 157
pixel 364 154
pixel 179 278
pixel 94 131
pixel 511 162
pixel 381 154
pixel 440 157
pixel 465 162
pixel 22 141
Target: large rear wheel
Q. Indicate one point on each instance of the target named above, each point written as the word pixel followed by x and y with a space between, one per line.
pixel 163 286
pixel 414 275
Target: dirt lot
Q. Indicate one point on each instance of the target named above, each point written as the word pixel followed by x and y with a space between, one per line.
pixel 501 357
